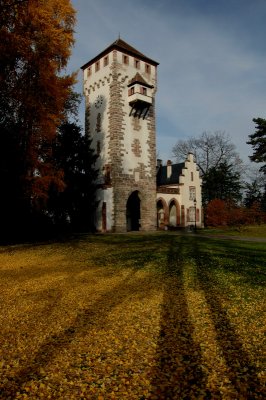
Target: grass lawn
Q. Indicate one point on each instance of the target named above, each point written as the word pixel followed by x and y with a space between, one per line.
pixel 256 231
pixel 140 316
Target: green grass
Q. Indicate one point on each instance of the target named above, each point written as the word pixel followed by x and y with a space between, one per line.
pixel 256 231
pixel 134 316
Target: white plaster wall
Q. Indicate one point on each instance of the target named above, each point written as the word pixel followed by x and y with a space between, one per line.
pixel 190 166
pixel 130 160
pixel 185 182
pixel 98 84
pixel 107 196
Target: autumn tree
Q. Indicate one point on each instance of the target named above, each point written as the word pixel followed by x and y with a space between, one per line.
pixel 258 142
pixel 225 213
pixel 36 37
pixel 216 213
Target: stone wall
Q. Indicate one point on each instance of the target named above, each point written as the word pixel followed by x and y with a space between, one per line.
pixel 126 183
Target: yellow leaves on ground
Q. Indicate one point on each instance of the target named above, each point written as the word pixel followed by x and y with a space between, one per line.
pixel 89 320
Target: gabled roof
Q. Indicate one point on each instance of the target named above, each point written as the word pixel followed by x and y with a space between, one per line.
pixel 138 79
pixel 174 178
pixel 121 45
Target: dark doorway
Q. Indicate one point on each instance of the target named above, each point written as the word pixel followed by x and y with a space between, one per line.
pixel 104 224
pixel 133 212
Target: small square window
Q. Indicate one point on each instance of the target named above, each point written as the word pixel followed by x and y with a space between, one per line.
pixel 144 91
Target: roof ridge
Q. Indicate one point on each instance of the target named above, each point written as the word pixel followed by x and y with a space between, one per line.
pixel 121 43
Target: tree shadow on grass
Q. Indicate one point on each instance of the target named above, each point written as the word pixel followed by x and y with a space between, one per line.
pixel 178 373
pixel 86 319
pixel 138 249
pixel 247 260
pixel 242 372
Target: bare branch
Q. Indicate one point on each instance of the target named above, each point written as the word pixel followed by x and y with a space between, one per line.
pixel 209 149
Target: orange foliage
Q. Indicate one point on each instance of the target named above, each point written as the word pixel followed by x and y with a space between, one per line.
pixel 36 39
pixel 255 215
pixel 216 213
pixel 222 213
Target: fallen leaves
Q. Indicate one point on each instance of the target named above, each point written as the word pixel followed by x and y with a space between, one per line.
pixel 75 329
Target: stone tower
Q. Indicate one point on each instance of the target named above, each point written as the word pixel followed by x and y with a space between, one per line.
pixel 119 86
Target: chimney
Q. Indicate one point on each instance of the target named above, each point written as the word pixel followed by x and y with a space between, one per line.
pixel 190 156
pixel 169 168
pixel 159 163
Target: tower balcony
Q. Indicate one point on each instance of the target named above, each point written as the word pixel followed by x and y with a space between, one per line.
pixel 139 98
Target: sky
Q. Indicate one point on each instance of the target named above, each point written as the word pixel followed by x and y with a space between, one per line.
pixel 211 54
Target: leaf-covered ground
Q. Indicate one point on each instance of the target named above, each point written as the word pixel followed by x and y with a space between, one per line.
pixel 159 316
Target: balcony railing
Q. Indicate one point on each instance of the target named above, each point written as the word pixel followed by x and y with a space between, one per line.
pixel 139 97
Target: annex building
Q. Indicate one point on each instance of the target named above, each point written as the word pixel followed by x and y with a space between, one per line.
pixel 135 191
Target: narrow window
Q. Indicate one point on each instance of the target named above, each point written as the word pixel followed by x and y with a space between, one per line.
pixel 89 71
pixel 105 61
pixel 131 90
pixel 107 174
pixel 97 66
pixel 137 63
pixel 98 123
pixel 125 59
pixel 192 193
pixel 192 177
pixel 147 68
pixel 191 214
pixel 104 219
pixel 98 147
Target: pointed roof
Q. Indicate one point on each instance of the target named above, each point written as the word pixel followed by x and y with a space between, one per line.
pixel 138 79
pixel 121 45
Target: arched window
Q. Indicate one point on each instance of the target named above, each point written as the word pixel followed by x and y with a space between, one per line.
pixel 162 214
pixel 172 214
pixel 191 214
